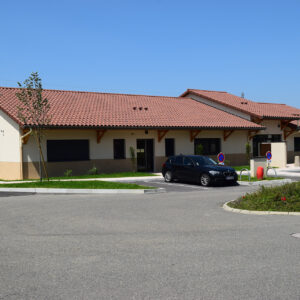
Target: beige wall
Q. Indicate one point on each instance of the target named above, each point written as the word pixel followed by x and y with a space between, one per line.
pixel 279 155
pixel 101 155
pixel 10 153
pixel 272 127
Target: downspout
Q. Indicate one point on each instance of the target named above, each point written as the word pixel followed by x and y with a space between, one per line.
pixel 21 151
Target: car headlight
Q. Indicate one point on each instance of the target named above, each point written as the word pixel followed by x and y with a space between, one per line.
pixel 214 172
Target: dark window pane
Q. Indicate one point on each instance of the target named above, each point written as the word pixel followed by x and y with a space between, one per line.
pixel 169 147
pixel 207 146
pixel 68 150
pixel 297 144
pixel 119 149
pixel 178 160
pixel 187 161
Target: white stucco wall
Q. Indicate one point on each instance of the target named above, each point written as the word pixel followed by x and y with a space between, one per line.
pixel 290 141
pixel 272 127
pixel 9 139
pixel 219 106
pixel 279 155
pixel 104 150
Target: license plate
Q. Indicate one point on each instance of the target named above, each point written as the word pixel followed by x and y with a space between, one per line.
pixel 229 178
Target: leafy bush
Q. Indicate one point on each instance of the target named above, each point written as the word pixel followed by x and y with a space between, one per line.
pixel 68 173
pixel 93 171
pixel 199 149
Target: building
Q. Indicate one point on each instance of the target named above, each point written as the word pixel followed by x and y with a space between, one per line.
pixel 280 120
pixel 98 129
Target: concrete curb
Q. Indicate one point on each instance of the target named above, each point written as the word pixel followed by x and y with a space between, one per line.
pixel 257 212
pixel 266 182
pixel 82 191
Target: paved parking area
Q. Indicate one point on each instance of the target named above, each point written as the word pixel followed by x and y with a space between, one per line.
pixel 176 245
pixel 174 186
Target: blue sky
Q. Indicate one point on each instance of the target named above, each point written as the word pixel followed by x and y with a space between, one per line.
pixel 155 47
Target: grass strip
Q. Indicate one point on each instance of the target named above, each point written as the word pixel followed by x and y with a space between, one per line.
pixel 239 168
pixel 281 198
pixel 254 179
pixel 76 185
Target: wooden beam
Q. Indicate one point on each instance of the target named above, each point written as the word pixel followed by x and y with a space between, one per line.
pixel 100 134
pixel 252 134
pixel 257 120
pixel 193 134
pixel 284 124
pixel 161 134
pixel 287 133
pixel 26 138
pixel 227 134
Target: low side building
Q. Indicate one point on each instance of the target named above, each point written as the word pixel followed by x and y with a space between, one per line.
pixel 280 121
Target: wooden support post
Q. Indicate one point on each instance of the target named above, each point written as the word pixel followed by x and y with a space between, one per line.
pixel 26 138
pixel 284 124
pixel 227 134
pixel 161 134
pixel 252 134
pixel 100 134
pixel 287 133
pixel 193 134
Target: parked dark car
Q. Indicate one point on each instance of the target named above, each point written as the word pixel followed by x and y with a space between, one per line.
pixel 197 168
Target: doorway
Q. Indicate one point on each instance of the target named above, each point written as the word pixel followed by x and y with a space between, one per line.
pixel 145 155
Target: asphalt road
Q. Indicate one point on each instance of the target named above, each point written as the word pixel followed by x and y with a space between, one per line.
pixel 176 245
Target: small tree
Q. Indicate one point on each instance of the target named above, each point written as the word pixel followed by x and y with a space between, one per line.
pixel 199 149
pixel 132 158
pixel 34 110
pixel 248 151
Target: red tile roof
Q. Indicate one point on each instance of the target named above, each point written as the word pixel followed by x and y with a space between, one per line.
pixel 90 109
pixel 257 109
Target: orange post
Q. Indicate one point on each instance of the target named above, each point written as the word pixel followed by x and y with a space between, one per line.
pixel 260 173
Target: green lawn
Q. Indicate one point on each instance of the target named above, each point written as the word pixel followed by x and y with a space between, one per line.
pixel 281 198
pixel 239 168
pixel 75 185
pixel 253 179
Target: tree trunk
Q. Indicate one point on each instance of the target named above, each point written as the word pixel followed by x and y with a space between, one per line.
pixel 38 140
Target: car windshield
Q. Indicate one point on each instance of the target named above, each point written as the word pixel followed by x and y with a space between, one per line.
pixel 203 160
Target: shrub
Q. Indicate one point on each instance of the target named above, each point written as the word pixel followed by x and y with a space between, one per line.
pixel 199 149
pixel 68 173
pixel 93 171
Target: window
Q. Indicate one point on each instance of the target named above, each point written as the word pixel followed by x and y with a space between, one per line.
pixel 178 160
pixel 169 147
pixel 297 144
pixel 187 161
pixel 68 150
pixel 119 149
pixel 208 146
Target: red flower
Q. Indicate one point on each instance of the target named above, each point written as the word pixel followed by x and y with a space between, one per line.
pixel 244 197
pixel 283 198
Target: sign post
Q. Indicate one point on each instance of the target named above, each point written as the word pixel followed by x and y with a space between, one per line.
pixel 221 158
pixel 269 157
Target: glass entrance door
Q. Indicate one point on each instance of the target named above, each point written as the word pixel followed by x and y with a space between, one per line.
pixel 145 155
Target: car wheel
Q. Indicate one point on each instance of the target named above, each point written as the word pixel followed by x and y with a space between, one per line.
pixel 168 176
pixel 205 180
